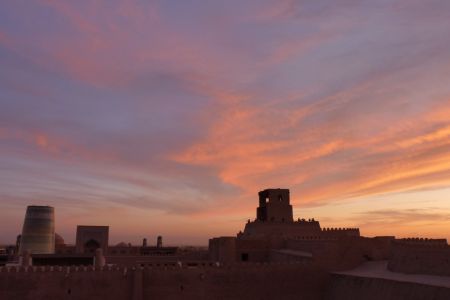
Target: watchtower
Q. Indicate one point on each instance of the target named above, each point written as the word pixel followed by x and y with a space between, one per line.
pixel 274 206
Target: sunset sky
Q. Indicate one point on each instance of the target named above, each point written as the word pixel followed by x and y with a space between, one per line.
pixel 167 117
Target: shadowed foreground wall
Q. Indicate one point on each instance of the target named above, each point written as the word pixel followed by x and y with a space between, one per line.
pixel 62 285
pixel 416 256
pixel 251 281
pixel 344 287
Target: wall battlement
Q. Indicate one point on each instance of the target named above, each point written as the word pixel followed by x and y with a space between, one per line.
pixel 421 242
pixel 234 281
pixel 146 266
pixel 315 238
pixel 306 222
pixel 341 231
pixel 420 256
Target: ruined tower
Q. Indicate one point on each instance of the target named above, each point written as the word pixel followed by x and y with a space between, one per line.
pixel 274 206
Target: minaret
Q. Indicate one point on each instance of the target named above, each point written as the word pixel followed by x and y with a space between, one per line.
pixel 38 232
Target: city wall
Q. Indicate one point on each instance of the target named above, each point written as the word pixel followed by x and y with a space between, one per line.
pixel 238 281
pixel 344 252
pixel 344 287
pixel 420 256
pixel 64 283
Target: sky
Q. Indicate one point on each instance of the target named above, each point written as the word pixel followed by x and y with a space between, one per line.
pixel 167 117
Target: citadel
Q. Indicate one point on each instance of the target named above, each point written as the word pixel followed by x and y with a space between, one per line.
pixel 275 256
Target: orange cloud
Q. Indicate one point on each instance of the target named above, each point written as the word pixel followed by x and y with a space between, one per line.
pixel 246 145
pixel 42 141
pixel 351 127
pixel 55 146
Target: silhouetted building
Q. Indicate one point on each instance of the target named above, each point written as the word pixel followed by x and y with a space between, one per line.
pixel 275 236
pixel 38 232
pixel 274 206
pixel 90 238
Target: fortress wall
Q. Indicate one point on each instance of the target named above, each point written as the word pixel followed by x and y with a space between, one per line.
pixel 421 257
pixel 297 228
pixel 328 252
pixel 222 249
pixel 318 247
pixel 60 284
pixel 286 257
pixel 338 232
pixel 243 281
pixel 345 287
pixel 133 260
pixel 255 250
pixel 345 252
pixel 240 281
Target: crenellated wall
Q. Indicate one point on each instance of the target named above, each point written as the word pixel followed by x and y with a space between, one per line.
pixel 344 287
pixel 166 281
pixel 421 256
pixel 200 280
pixel 64 283
pixel 280 229
pixel 345 252
pixel 338 232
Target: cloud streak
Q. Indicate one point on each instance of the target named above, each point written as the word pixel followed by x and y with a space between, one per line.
pixel 131 104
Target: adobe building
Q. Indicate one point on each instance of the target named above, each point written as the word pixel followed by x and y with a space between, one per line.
pixel 300 260
pixel 274 236
pixel 274 218
pixel 122 249
pixel 90 238
pixel 420 256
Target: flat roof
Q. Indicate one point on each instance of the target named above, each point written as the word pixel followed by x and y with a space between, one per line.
pixel 378 269
pixel 294 252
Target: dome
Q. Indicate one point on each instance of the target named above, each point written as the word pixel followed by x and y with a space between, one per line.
pixel 59 240
pixel 121 244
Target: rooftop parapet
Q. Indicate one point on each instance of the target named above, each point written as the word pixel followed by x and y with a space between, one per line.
pixel 421 242
pixel 341 231
pixel 315 238
pixel 67 270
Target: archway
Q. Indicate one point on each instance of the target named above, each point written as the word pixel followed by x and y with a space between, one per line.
pixel 91 245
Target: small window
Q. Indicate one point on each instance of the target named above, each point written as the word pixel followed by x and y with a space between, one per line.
pixel 244 256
